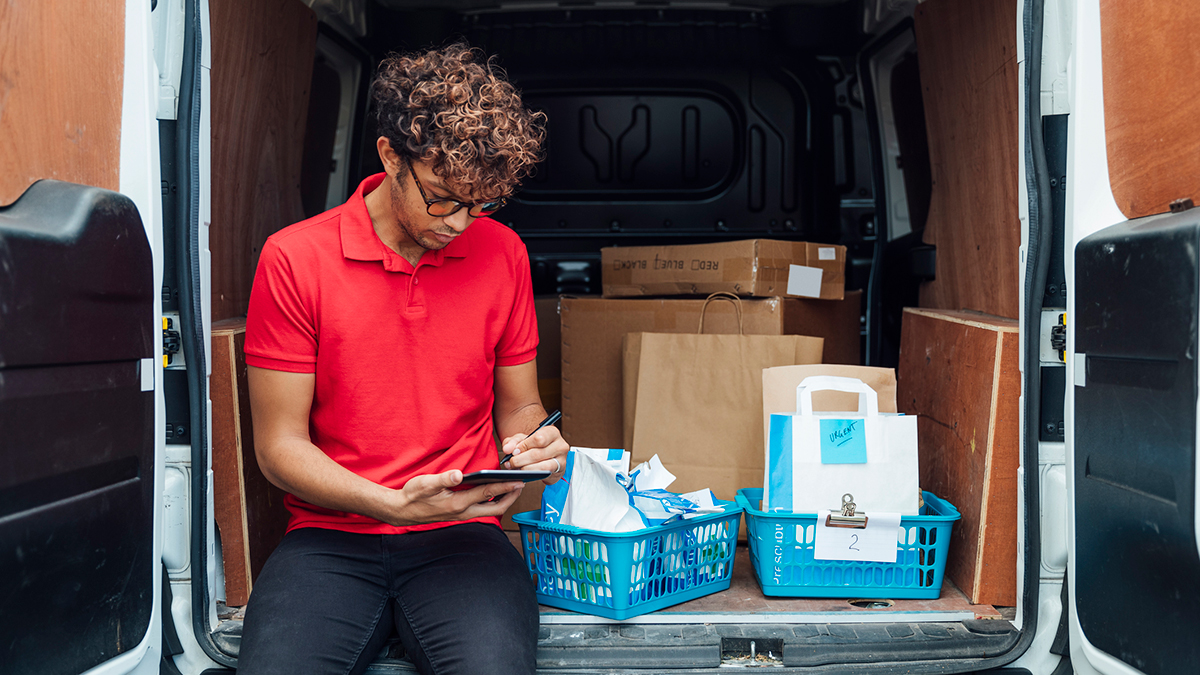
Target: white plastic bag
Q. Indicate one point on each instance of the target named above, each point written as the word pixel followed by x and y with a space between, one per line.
pixel 554 496
pixel 599 492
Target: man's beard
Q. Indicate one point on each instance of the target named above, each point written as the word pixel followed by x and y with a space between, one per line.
pixel 414 234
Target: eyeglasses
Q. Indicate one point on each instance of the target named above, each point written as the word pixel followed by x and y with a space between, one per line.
pixel 446 207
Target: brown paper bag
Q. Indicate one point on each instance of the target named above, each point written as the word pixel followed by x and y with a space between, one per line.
pixel 695 400
pixel 779 390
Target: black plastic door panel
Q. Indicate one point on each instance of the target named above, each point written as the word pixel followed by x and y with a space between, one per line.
pixel 1137 567
pixel 76 429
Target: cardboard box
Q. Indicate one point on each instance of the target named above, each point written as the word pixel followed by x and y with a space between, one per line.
pixel 959 371
pixel 749 268
pixel 593 330
pixel 549 352
pixel 549 374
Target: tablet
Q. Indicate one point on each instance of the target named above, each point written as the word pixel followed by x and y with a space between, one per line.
pixel 502 476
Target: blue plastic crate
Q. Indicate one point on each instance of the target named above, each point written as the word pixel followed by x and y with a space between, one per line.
pixel 781 551
pixel 619 576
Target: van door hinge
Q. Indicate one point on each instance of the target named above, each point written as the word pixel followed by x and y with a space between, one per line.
pixel 1054 337
pixel 172 342
pixel 1058 337
pixel 1052 354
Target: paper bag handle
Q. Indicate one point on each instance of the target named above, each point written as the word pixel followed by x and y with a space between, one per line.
pixel 729 297
pixel 868 400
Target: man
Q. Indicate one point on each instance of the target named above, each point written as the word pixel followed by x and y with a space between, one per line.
pixel 386 338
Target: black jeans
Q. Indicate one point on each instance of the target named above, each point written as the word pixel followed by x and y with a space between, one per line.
pixel 459 597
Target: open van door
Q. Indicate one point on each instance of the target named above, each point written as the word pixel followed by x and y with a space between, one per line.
pixel 1134 316
pixel 77 470
pixel 80 476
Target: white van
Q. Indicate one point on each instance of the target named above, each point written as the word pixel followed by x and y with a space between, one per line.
pixel 148 148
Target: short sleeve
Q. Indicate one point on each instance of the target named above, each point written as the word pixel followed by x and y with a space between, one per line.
pixel 280 327
pixel 519 342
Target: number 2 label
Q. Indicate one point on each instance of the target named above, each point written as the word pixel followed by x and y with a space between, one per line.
pixel 876 542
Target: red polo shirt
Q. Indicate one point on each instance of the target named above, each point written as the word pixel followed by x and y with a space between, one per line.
pixel 403 356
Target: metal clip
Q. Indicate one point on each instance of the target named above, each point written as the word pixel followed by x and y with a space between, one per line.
pixel 848 517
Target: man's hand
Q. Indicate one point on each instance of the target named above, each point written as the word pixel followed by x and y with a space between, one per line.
pixel 518 409
pixel 431 499
pixel 543 451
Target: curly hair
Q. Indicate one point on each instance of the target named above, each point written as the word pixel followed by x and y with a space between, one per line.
pixel 456 110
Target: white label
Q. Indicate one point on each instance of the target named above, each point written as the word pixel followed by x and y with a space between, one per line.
pixel 804 281
pixel 874 543
pixel 146 366
pixel 1081 370
pixel 826 253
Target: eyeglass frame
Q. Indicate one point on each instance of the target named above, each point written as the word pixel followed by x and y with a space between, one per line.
pixel 458 206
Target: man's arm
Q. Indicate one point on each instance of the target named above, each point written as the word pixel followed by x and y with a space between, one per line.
pixel 280 404
pixel 517 411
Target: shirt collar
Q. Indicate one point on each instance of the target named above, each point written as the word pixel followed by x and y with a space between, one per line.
pixel 360 242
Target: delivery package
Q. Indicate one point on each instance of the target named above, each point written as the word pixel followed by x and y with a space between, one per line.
pixel 748 268
pixel 816 459
pixel 593 330
pixel 695 400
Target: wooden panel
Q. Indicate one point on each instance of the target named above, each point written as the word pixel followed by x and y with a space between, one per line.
pixel 968 62
pixel 959 373
pixel 249 510
pixel 61 72
pixel 262 57
pixel 1150 103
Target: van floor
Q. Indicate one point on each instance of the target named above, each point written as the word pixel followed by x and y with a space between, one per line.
pixel 721 629
pixel 744 603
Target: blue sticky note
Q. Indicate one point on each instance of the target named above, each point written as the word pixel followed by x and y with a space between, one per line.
pixel 843 441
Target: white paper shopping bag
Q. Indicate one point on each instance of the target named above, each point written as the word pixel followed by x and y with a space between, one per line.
pixel 813 459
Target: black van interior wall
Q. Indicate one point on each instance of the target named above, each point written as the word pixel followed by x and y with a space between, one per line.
pixel 1150 103
pixel 58 131
pixel 262 56
pixel 968 60
pixel 672 124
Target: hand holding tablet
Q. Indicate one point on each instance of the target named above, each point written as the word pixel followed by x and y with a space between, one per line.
pixel 502 476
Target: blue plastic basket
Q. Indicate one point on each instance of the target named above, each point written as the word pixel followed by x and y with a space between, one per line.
pixel 623 575
pixel 781 551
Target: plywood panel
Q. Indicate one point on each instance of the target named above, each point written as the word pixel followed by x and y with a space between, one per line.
pixel 249 510
pixel 1150 103
pixel 61 73
pixel 968 62
pixel 262 60
pixel 959 373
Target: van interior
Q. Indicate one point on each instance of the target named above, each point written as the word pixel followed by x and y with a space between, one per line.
pixel 887 126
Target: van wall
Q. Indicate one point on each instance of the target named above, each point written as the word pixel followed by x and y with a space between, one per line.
pixel 262 64
pixel 968 58
pixel 671 124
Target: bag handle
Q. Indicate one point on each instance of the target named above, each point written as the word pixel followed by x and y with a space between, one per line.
pixel 728 297
pixel 868 399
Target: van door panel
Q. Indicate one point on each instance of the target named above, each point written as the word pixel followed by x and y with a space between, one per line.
pixel 76 429
pixel 57 60
pixel 1150 104
pixel 1137 565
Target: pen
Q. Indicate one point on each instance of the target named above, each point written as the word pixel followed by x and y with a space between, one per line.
pixel 550 419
